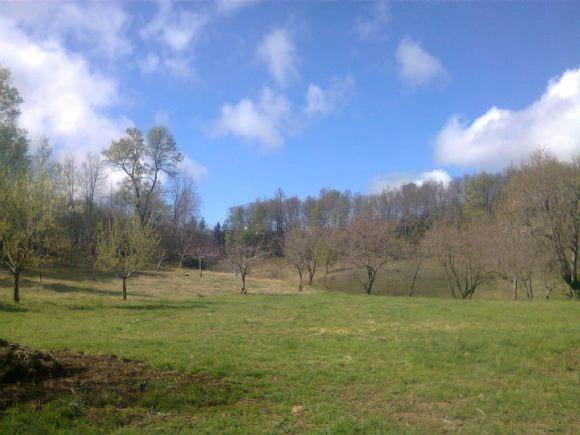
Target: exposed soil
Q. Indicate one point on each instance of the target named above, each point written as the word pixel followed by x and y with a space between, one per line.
pixel 37 377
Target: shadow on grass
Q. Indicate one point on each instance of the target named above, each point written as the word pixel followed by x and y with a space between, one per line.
pixel 78 275
pixel 12 309
pixel 63 288
pixel 168 306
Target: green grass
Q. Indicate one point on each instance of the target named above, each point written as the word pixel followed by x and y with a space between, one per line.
pixel 357 364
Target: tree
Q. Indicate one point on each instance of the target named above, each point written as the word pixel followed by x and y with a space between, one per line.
pixel 370 244
pixel 13 141
pixel 513 251
pixel 297 247
pixel 184 207
pixel 143 161
pixel 27 220
pixel 91 175
pixel 125 247
pixel 546 193
pixel 328 249
pixel 461 252
pixel 242 254
pixel 203 248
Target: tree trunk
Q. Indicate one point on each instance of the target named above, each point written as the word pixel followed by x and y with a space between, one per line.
pixel 370 280
pixel 515 287
pixel 124 289
pixel 414 279
pixel 311 273
pixel 199 261
pixel 17 286
pixel 243 275
pixel 300 282
pixel 325 276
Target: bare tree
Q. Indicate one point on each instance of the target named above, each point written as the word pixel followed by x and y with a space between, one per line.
pixel 242 255
pixel 185 206
pixel 203 248
pixel 371 243
pixel 513 251
pixel 328 249
pixel 460 251
pixel 91 175
pixel 547 194
pixel 297 246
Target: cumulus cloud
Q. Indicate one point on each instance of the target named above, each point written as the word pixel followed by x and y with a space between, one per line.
pixel 175 29
pixel 321 101
pixel 64 98
pixel 373 25
pixel 278 52
pixel 416 66
pixel 192 168
pixel 502 136
pixel 264 121
pixel 396 180
pixel 100 26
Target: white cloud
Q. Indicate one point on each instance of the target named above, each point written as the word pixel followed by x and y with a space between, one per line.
pixel 264 121
pixel 176 29
pixel 231 6
pixel 396 180
pixel 500 137
pixel 278 52
pixel 374 24
pixel 102 26
pixel 64 98
pixel 193 169
pixel 416 66
pixel 324 101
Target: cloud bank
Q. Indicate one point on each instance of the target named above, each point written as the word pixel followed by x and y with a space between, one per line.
pixel 396 180
pixel 502 136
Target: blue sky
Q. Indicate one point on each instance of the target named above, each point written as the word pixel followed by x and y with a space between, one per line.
pixel 303 95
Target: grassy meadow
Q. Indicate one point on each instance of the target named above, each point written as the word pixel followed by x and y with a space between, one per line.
pixel 279 361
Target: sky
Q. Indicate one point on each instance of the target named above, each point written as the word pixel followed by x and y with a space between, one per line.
pixel 302 95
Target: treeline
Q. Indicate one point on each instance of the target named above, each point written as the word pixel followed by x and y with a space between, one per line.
pixel 62 211
pixel 522 226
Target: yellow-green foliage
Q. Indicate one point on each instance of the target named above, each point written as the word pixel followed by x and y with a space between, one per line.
pixel 126 246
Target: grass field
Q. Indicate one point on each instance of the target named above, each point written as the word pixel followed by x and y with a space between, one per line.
pixel 320 361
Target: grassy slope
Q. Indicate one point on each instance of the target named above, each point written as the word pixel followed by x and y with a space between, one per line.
pixel 355 363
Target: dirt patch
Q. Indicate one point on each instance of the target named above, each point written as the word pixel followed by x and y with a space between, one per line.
pixel 36 377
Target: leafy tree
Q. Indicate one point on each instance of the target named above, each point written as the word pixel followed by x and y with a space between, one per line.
pixel 143 162
pixel 13 141
pixel 126 247
pixel 27 224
